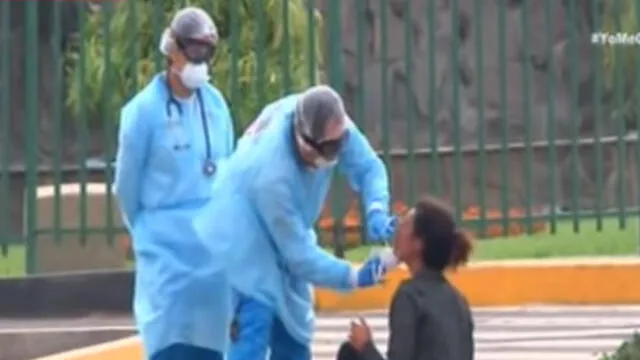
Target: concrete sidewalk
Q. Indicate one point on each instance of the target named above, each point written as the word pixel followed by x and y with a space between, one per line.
pixel 505 333
pixel 23 339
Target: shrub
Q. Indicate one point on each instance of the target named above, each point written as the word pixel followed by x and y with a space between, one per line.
pixel 117 53
pixel 621 62
pixel 629 350
pixel 353 223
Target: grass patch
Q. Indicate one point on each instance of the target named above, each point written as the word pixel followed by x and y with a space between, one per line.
pixel 610 241
pixel 13 262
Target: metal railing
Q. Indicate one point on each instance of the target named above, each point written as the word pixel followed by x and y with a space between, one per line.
pixel 510 110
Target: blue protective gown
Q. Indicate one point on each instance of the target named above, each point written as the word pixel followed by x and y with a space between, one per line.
pixel 267 202
pixel 181 295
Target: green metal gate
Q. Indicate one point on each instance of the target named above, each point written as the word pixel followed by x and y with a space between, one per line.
pixel 520 113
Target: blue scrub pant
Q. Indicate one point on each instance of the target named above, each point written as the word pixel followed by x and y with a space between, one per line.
pixel 186 352
pixel 258 329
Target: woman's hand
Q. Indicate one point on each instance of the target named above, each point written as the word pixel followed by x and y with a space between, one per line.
pixel 359 334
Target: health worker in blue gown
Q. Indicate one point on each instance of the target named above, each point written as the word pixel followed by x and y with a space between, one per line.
pixel 173 135
pixel 267 200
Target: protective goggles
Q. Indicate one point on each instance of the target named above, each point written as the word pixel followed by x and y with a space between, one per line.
pixel 328 149
pixel 196 51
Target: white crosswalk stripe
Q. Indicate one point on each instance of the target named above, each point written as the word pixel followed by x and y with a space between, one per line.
pixel 524 333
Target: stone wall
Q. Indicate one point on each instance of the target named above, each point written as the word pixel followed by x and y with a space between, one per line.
pixel 542 56
pixel 463 63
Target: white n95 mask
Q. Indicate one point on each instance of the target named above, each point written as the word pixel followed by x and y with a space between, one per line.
pixel 194 75
pixel 322 163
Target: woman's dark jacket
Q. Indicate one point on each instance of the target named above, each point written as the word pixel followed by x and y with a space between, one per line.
pixel 429 320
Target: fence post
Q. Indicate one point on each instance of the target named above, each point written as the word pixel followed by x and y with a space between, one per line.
pixel 637 113
pixel 456 116
pixel 31 133
pixel 336 81
pixel 384 91
pixel 5 123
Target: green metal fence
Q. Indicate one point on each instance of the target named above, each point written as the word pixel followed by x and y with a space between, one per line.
pixel 514 111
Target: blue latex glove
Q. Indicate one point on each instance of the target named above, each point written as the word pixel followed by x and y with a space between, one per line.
pixel 375 268
pixel 381 226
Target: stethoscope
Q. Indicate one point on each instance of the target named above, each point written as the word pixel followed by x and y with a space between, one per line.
pixel 209 167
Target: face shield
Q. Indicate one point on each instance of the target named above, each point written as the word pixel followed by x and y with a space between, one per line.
pixel 327 150
pixel 193 33
pixel 196 51
pixel 320 125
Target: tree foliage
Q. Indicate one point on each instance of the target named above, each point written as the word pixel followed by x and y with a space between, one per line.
pixel 267 48
pixel 619 16
pixel 621 62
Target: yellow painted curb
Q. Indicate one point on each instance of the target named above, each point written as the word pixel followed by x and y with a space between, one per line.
pixel 588 282
pixel 125 349
pixel 504 283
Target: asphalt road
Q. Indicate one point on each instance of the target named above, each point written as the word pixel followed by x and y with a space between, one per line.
pixel 519 333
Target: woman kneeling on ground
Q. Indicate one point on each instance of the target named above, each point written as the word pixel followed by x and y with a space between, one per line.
pixel 429 318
